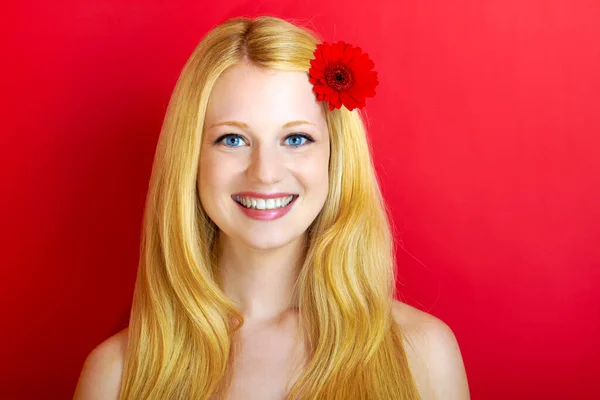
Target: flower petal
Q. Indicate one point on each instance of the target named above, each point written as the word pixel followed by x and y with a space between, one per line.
pixel 317 64
pixel 362 91
pixel 348 55
pixel 349 102
pixel 326 53
pixel 335 99
pixel 338 51
pixel 315 73
pixel 321 89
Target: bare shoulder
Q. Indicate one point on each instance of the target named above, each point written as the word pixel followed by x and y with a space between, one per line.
pixel 433 354
pixel 100 376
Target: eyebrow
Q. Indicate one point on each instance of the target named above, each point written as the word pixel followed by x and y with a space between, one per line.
pixel 245 126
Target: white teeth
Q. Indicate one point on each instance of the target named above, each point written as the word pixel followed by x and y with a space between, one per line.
pixel 262 204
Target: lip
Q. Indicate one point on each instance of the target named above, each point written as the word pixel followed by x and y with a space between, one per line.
pixel 266 215
pixel 263 195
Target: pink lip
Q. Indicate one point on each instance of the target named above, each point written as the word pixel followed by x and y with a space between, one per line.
pixel 262 195
pixel 266 215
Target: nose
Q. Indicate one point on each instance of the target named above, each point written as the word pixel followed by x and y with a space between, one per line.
pixel 265 165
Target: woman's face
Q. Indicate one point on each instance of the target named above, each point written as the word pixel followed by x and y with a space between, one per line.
pixel 253 142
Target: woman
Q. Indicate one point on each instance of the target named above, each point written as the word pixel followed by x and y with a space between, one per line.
pixel 296 302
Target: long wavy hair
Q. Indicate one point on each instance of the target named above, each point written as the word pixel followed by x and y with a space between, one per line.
pixel 182 323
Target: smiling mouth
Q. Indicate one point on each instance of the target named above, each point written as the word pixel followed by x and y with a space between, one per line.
pixel 265 204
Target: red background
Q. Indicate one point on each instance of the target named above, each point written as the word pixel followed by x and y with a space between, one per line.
pixel 485 132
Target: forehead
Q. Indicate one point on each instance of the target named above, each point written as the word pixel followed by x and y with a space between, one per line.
pixel 257 95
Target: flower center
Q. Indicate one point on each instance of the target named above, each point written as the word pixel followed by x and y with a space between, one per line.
pixel 339 77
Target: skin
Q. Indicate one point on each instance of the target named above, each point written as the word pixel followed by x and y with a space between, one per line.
pixel 259 260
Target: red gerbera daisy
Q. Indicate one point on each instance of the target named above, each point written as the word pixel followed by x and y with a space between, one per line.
pixel 341 74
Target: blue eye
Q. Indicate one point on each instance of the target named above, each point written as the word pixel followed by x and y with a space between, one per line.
pixel 301 136
pixel 231 143
pixel 232 139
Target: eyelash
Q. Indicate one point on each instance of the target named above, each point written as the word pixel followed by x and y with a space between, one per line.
pixel 303 135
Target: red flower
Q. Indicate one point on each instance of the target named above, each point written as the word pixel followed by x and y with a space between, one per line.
pixel 341 74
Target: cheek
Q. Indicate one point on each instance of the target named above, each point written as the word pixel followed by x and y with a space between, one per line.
pixel 213 180
pixel 314 171
pixel 213 172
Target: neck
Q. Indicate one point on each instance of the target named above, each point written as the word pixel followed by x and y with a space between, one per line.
pixel 260 281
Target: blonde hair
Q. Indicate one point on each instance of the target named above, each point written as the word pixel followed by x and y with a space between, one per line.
pixel 181 324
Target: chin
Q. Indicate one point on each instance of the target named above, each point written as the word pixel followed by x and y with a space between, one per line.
pixel 273 241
